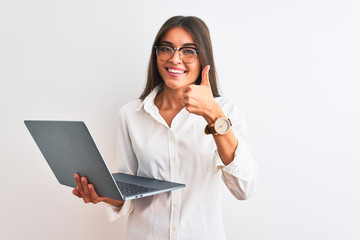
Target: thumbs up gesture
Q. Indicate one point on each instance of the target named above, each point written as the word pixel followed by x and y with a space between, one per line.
pixel 198 99
pixel 205 78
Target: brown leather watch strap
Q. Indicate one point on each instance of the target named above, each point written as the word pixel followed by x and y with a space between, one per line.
pixel 209 130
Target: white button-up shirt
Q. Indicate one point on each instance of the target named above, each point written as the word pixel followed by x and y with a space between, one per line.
pixel 182 153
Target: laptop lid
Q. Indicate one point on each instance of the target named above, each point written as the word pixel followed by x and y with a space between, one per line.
pixel 68 148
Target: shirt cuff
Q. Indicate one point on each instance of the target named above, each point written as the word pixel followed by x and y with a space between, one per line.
pixel 239 176
pixel 242 166
pixel 116 212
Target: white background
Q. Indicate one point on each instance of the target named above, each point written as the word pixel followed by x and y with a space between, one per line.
pixel 293 67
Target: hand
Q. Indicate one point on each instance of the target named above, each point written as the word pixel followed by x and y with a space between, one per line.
pixel 87 192
pixel 198 99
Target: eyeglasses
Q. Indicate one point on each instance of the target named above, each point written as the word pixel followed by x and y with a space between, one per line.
pixel 187 54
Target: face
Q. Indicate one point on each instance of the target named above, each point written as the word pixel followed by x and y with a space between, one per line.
pixel 175 73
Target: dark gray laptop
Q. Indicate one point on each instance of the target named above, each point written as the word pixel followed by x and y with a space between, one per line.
pixel 69 148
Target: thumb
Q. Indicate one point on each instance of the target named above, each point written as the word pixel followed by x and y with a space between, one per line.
pixel 205 76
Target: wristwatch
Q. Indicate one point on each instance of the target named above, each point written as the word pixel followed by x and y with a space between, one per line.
pixel 221 126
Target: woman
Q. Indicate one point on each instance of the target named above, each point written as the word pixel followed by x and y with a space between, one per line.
pixel 180 130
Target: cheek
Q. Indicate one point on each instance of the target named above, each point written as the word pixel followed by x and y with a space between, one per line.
pixel 159 68
pixel 194 75
pixel 197 69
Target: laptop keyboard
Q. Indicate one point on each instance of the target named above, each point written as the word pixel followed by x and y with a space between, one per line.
pixel 128 189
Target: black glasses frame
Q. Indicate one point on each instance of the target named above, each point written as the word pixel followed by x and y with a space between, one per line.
pixel 174 49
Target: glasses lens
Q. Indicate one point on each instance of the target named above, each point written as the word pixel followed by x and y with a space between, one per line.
pixel 164 52
pixel 188 55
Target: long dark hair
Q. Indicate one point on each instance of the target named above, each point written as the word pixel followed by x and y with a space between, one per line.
pixel 200 33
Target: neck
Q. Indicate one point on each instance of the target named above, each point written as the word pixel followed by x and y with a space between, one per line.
pixel 169 99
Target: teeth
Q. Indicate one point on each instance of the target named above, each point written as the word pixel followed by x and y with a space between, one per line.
pixel 175 71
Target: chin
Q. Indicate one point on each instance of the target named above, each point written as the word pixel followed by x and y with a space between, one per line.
pixel 177 83
pixel 174 83
pixel 174 86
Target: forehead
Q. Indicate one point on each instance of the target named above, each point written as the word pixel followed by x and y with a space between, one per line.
pixel 178 36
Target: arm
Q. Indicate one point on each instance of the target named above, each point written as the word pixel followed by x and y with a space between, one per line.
pixel 233 155
pixel 226 144
pixel 198 99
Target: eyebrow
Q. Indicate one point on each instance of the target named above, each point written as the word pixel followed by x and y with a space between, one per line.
pixel 185 45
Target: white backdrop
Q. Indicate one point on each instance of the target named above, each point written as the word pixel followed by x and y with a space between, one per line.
pixel 293 67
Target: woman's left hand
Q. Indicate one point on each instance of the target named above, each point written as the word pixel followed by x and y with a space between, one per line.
pixel 198 99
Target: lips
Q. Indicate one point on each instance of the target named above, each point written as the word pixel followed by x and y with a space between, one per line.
pixel 175 71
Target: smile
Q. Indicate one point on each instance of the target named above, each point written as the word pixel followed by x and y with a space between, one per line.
pixel 175 71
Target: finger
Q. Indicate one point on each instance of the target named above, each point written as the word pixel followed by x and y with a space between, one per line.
pixel 185 101
pixel 186 89
pixel 78 183
pixel 80 188
pixel 189 108
pixel 86 196
pixel 185 95
pixel 84 184
pixel 205 76
pixel 76 193
pixel 95 197
pixel 189 104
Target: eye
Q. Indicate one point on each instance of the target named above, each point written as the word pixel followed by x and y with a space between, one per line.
pixel 165 50
pixel 188 51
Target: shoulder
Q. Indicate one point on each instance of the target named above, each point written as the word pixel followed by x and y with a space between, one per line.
pixel 130 107
pixel 226 103
pixel 229 106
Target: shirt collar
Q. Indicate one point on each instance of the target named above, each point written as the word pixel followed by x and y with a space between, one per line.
pixel 149 102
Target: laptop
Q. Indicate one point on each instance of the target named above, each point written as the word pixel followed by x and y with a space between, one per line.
pixel 68 148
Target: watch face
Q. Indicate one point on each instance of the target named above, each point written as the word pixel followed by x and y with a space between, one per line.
pixel 222 126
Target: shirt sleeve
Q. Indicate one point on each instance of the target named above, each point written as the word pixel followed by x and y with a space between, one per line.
pixel 127 163
pixel 114 213
pixel 240 176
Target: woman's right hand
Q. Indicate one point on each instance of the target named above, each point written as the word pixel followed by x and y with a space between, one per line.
pixel 87 192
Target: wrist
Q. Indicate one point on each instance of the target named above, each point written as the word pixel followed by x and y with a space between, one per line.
pixel 213 113
pixel 114 202
pixel 221 126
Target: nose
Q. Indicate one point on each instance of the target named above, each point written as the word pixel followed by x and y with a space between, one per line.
pixel 175 57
